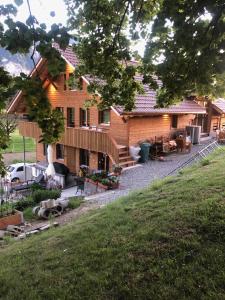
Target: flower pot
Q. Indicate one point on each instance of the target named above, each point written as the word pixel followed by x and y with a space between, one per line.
pixel 15 218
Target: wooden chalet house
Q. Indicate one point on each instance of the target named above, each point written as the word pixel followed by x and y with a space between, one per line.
pixel 95 138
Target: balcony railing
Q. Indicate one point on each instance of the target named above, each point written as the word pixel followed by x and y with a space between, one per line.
pixel 90 139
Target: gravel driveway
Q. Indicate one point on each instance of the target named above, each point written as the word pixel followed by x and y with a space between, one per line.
pixel 141 176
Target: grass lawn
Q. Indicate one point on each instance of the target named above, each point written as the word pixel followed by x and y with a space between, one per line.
pixel 164 242
pixel 16 144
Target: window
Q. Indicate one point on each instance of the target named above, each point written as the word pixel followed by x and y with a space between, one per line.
pixel 104 116
pixel 59 151
pixel 84 157
pixel 174 121
pixel 20 169
pixel 64 82
pixel 45 146
pixel 60 109
pixel 70 116
pixel 84 117
pixel 103 162
pixel 71 82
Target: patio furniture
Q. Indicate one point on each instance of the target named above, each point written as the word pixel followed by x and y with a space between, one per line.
pixel 28 184
pixel 183 144
pixel 221 137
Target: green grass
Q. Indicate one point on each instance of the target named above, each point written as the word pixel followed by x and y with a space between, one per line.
pixel 16 144
pixel 75 202
pixel 164 242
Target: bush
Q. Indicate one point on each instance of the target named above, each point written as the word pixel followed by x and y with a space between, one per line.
pixel 75 202
pixel 205 162
pixel 41 195
pixel 24 203
pixel 28 214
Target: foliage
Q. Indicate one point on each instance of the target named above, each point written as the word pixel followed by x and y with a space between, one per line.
pixel 6 208
pixel 205 162
pixel 75 202
pixel 24 203
pixel 7 126
pixel 185 47
pixel 41 195
pixel 17 37
pixel 28 214
pixel 152 244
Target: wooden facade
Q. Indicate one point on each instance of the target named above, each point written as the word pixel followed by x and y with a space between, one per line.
pixel 112 139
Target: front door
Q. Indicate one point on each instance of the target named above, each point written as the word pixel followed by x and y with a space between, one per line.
pixel 202 120
pixel 71 158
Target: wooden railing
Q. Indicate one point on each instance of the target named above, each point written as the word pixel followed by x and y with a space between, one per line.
pixel 93 140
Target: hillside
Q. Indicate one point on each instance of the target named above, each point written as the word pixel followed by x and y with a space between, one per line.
pixel 165 242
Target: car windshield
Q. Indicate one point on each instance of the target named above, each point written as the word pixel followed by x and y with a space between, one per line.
pixel 10 168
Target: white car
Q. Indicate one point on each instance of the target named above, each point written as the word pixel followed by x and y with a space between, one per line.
pixel 16 172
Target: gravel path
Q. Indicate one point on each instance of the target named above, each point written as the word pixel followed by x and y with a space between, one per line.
pixel 131 179
pixel 140 177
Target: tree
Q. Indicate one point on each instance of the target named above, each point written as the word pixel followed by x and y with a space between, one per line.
pixel 185 48
pixel 19 37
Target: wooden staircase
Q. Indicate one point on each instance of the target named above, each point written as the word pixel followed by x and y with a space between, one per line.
pixel 125 160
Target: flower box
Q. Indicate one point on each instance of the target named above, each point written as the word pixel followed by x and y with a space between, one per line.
pixel 105 187
pixel 92 181
pixel 15 218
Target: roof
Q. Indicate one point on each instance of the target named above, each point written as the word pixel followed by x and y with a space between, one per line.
pixel 145 103
pixel 219 105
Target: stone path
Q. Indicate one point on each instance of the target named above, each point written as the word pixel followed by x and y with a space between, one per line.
pixel 140 177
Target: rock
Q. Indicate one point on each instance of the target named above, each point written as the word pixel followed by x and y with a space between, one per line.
pixel 2 234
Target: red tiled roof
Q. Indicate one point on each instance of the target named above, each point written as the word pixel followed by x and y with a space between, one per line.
pixel 68 54
pixel 219 104
pixel 145 103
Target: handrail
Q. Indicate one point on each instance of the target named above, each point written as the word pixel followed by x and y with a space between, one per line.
pixel 89 139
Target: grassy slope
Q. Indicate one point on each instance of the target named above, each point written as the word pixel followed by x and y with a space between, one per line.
pixel 16 144
pixel 165 242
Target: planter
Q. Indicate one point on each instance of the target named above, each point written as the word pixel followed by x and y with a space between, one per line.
pixel 105 187
pixel 114 186
pixel 13 219
pixel 92 181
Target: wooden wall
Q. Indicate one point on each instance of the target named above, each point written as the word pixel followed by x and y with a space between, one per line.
pixel 141 128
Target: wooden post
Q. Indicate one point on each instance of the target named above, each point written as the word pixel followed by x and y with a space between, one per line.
pixel 24 158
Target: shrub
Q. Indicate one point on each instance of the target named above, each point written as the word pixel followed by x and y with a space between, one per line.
pixel 24 203
pixel 75 202
pixel 28 214
pixel 41 195
pixel 205 162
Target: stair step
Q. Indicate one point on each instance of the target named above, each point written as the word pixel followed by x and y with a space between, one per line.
pixel 127 163
pixel 125 158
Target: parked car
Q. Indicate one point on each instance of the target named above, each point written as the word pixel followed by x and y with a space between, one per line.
pixel 16 172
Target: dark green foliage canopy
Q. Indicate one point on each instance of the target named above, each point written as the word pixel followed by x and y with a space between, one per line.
pixel 185 46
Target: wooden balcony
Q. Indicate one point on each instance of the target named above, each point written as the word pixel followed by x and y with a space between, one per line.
pixel 89 139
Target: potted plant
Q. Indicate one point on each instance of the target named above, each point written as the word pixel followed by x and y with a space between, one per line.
pixel 104 183
pixel 117 169
pixel 114 182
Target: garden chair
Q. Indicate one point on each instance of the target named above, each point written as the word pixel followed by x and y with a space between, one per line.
pixel 221 137
pixel 183 145
pixel 39 180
